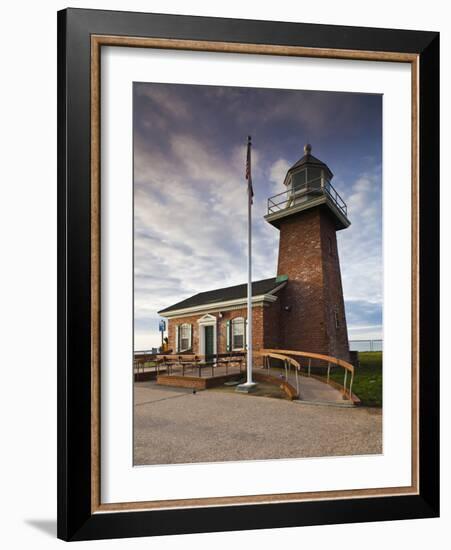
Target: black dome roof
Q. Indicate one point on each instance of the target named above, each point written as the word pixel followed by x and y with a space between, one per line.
pixel 309 160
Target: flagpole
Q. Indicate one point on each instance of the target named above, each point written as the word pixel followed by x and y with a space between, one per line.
pixel 250 384
pixel 249 280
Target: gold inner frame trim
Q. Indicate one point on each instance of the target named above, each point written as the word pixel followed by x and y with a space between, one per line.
pixel 97 41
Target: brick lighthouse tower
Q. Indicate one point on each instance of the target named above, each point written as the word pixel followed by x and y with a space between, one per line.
pixel 308 215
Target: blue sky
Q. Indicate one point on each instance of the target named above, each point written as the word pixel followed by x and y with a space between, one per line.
pixel 190 192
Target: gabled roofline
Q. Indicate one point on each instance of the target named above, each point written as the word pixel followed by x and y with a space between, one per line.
pixel 217 306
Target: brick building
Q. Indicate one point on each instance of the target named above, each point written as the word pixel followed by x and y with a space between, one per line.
pixel 302 307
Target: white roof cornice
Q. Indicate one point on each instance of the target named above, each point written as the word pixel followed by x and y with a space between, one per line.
pixel 218 306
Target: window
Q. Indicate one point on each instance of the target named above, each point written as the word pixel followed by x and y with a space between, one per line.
pixel 337 320
pixel 299 180
pixel 238 333
pixel 314 175
pixel 331 248
pixel 184 337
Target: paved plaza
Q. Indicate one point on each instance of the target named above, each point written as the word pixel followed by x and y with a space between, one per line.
pixel 175 425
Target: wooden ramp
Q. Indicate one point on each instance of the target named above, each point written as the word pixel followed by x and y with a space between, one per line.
pixel 315 392
pixel 311 388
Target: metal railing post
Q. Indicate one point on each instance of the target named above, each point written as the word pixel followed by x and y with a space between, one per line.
pixel 309 365
pixel 328 371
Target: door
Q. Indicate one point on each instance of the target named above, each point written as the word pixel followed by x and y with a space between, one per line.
pixel 209 343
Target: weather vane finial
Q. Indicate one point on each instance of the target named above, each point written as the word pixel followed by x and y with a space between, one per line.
pixel 307 148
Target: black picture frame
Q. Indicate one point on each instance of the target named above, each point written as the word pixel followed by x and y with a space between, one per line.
pixel 75 518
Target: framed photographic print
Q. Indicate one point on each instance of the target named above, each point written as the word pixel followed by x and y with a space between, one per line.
pixel 248 274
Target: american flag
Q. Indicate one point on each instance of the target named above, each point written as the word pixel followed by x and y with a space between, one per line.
pixel 248 170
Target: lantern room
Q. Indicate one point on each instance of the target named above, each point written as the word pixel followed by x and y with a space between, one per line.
pixel 308 185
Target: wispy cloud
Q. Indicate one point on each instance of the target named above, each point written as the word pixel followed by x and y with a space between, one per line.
pixel 277 172
pixel 164 99
pixel 361 244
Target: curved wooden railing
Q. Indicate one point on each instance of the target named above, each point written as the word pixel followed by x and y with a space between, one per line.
pixel 285 354
pixel 288 362
pixel 275 355
pixel 327 358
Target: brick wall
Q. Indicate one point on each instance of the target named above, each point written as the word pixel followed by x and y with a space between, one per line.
pixel 333 292
pixel 308 255
pixel 272 317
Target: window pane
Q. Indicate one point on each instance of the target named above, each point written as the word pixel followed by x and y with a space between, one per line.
pixel 314 173
pixel 238 341
pixel 185 343
pixel 185 337
pixel 238 326
pixel 298 179
pixel 238 333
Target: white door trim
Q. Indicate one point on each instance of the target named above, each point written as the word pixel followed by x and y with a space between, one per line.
pixel 207 321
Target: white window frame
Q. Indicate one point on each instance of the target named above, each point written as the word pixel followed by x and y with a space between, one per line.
pixel 182 327
pixel 234 322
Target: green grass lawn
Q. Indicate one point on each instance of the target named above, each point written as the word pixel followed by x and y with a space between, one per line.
pixel 367 378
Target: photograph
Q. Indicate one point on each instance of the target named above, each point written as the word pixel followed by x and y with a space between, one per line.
pixel 258 274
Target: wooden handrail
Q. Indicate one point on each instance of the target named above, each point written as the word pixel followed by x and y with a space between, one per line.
pixel 196 357
pixel 281 357
pixel 283 354
pixel 327 358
